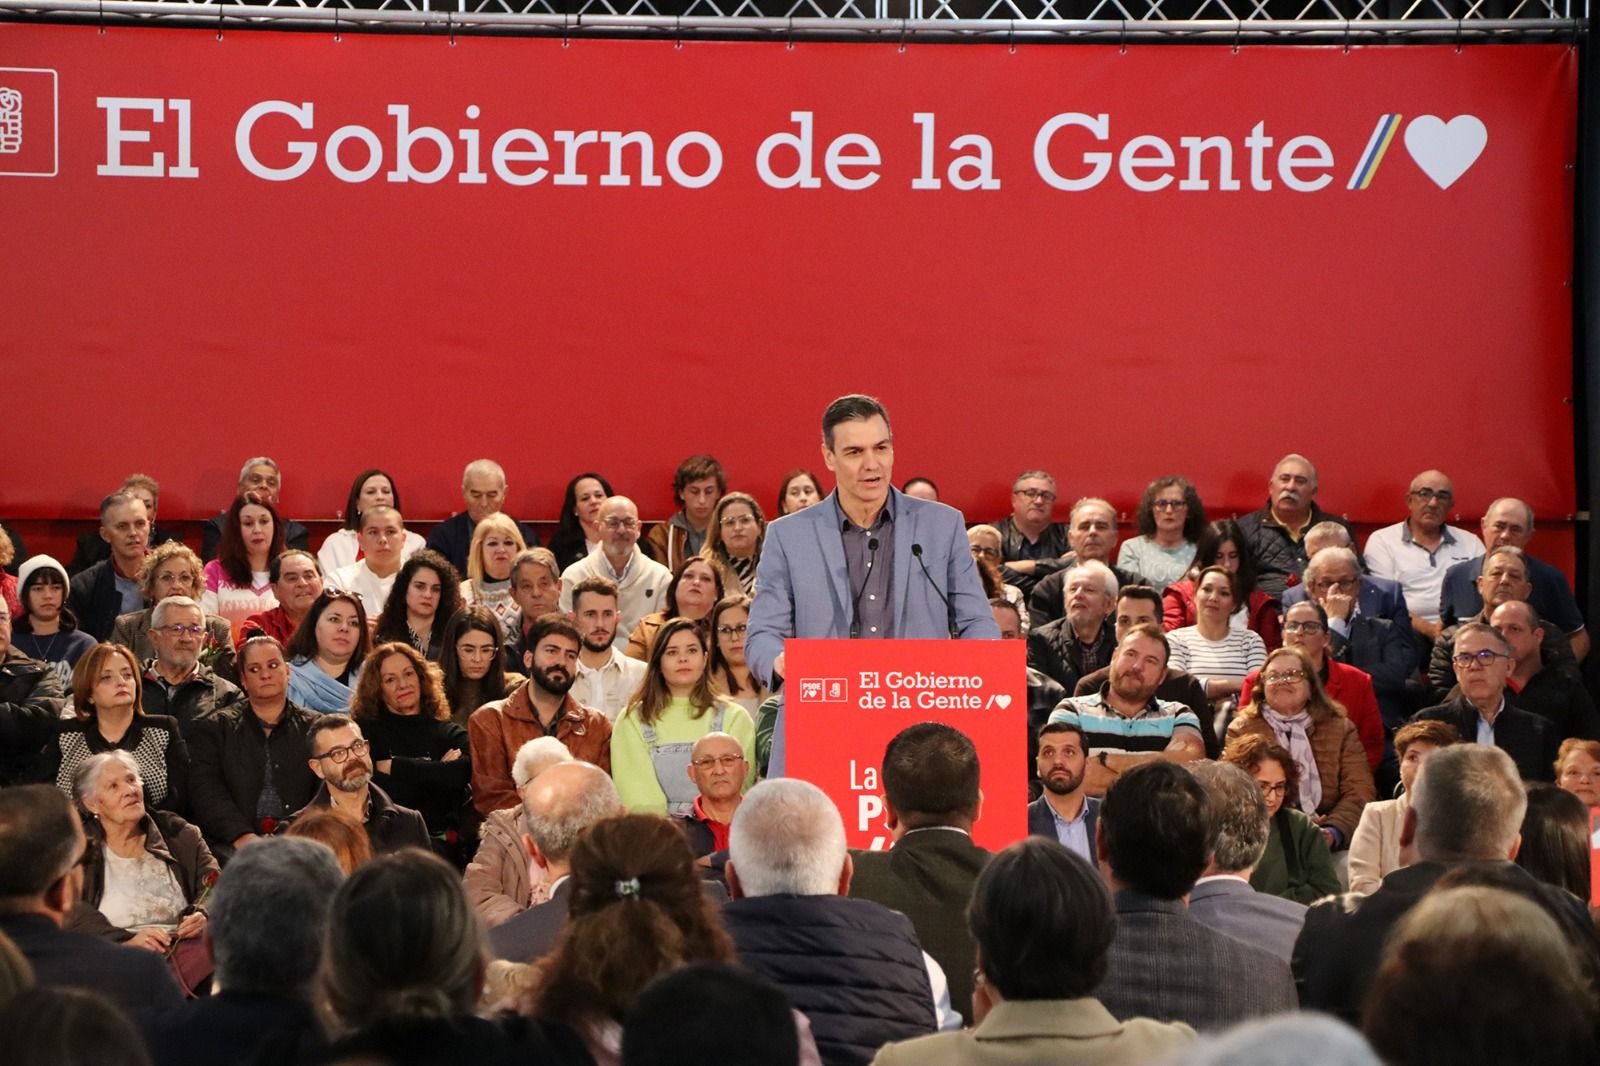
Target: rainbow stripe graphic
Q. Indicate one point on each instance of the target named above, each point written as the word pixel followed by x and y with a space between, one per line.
pixel 1372 158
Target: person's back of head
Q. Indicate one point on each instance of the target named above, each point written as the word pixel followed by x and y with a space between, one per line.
pixel 787 838
pixel 564 801
pixel 930 777
pixel 1555 839
pixel 1155 830
pixel 16 972
pixel 1283 1040
pixel 339 830
pixel 1238 815
pixel 1043 922
pixel 268 916
pixel 403 944
pixel 1468 803
pixel 1478 975
pixel 40 842
pixel 55 1026
pixel 682 1019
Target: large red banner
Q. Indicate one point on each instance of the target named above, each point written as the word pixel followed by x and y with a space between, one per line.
pixel 411 252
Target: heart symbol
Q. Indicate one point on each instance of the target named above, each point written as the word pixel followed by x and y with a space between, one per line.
pixel 1446 150
pixel 1002 701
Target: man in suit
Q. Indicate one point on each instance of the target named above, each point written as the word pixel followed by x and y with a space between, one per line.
pixel 1467 804
pixel 266 961
pixel 931 799
pixel 1503 579
pixel 261 476
pixel 1155 838
pixel 1223 898
pixel 1482 662
pixel 1369 627
pixel 1355 593
pixel 1064 812
pixel 561 803
pixel 41 876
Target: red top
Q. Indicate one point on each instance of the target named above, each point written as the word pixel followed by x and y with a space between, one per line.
pixel 719 830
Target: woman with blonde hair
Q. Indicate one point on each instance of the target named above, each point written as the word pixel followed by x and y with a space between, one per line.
pixel 172 569
pixel 496 543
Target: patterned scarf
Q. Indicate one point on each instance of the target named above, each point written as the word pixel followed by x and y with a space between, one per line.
pixel 1293 732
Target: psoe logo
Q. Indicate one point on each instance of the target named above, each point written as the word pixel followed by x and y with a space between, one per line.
pixel 824 690
pixel 29 130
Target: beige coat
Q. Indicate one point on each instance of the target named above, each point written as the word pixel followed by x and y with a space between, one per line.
pixel 1375 849
pixel 497 881
pixel 1057 1031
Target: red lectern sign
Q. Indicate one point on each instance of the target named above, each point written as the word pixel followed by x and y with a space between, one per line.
pixel 846 699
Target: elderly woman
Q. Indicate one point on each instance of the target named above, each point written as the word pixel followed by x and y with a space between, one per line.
pixel 733 540
pixel 371 488
pixel 1221 544
pixel 985 542
pixel 1170 520
pixel 691 594
pixel 1578 769
pixel 172 569
pixel 1293 710
pixel 1215 651
pixel 496 542
pixel 420 755
pixel 798 490
pixel 238 583
pixel 326 652
pixel 1375 848
pixel 1296 864
pixel 500 881
pixel 427 592
pixel 472 663
pixel 730 674
pixel 145 874
pixel 578 525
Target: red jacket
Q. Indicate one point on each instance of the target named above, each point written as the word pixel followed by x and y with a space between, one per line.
pixel 1266 614
pixel 1352 690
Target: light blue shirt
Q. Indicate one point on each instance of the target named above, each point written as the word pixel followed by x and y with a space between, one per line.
pixel 1073 833
pixel 1485 729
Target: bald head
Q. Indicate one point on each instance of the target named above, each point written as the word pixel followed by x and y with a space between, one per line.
pixel 561 803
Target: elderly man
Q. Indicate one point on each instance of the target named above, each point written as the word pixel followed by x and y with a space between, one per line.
pixel 1223 898
pixel 1360 633
pixel 697 485
pixel 176 682
pixel 1466 811
pixel 1418 551
pixel 296 583
pixel 483 488
pixel 1504 577
pixel 93 547
pixel 340 757
pixel 1509 523
pixel 500 882
pixel 1481 658
pixel 1546 685
pixel 41 877
pixel 30 703
pixel 853 967
pixel 561 803
pixel 641 581
pixel 266 965
pixel 717 766
pixel 1377 595
pixel 111 587
pixel 382 537
pixel 607 679
pixel 1124 723
pixel 1031 541
pixel 173 570
pixel 261 476
pixel 1092 536
pixel 536 590
pixel 1274 536
pixel 1081 641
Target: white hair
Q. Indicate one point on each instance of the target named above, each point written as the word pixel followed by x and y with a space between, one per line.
pixel 483 466
pixel 87 777
pixel 1090 566
pixel 787 837
pixel 1468 801
pixel 1330 555
pixel 260 460
pixel 167 605
pixel 535 757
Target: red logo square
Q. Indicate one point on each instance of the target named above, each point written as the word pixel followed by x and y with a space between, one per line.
pixel 28 123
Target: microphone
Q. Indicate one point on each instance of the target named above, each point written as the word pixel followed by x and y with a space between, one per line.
pixel 950 611
pixel 855 604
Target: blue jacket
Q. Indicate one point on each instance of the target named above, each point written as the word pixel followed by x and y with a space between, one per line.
pixel 803 584
pixel 1379 597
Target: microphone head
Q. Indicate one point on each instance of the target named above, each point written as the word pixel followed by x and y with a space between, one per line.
pixel 916 549
pixel 872 545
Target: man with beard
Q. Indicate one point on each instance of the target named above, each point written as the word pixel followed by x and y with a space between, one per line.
pixel 607 679
pixel 1063 812
pixel 1124 723
pixel 339 755
pixel 542 706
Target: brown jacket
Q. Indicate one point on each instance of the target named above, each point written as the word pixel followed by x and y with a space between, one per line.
pixel 497 730
pixel 1341 763
pixel 497 877
pixel 669 544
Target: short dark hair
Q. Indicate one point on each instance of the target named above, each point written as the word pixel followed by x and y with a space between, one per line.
pixel 275 567
pixel 597 586
pixel 546 624
pixel 678 1017
pixel 38 842
pixel 930 775
pixel 256 951
pixel 1050 729
pixel 928 481
pixel 352 504
pixel 1555 839
pixel 1043 922
pixel 1141 592
pixel 1158 834
pixel 698 468
pixel 327 723
pixel 852 408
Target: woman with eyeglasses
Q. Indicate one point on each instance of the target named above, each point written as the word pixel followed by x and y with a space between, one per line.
pixel 1305 626
pixel 172 569
pixel 691 594
pixel 1170 520
pixel 1292 709
pixel 1296 863
pixel 986 544
pixel 733 540
pixel 730 674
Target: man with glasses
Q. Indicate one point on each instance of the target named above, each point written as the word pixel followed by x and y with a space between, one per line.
pixel 717 767
pixel 1031 541
pixel 641 581
pixel 176 682
pixel 341 758
pixel 1503 579
pixel 1482 662
pixel 1418 551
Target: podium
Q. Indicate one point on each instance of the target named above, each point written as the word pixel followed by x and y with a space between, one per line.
pixel 844 700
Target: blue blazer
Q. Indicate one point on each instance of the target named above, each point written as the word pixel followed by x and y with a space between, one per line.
pixel 1042 822
pixel 803 584
pixel 1379 597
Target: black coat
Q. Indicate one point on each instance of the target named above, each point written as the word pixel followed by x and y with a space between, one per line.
pixel 530 935
pixel 1045 603
pixel 234 1028
pixel 230 753
pixel 132 978
pixel 417 778
pixel 203 696
pixel 30 706
pixel 95 601
pixel 1530 740
pixel 155 742
pixel 1277 559
pixel 1055 651
pixel 389 826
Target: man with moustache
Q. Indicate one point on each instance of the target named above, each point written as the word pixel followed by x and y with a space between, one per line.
pixel 176 682
pixel 1275 535
pixel 542 706
pixel 1063 812
pixel 340 756
pixel 607 679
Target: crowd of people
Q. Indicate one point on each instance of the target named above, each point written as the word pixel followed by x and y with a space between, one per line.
pixel 463 796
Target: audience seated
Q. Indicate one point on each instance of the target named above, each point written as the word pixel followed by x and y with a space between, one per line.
pixel 69 1027
pixel 238 582
pixel 1082 640
pixel 697 485
pixel 173 570
pixel 176 682
pixel 1373 595
pixel 1297 863
pixel 798 490
pixel 483 487
pixel 1064 811
pixel 541 706
pixel 578 525
pixel 372 576
pixel 1156 838
pixel 1375 847
pixel 342 758
pixel 1578 769
pixel 719 770
pixel 47 630
pixel 1031 541
pixel 683 1012
pixel 327 650
pixel 640 581
pixel 1481 659
pixel 109 702
pixel 536 591
pixel 1417 552
pixel 1555 846
pixel 500 882
pixel 1043 924
pixel 1091 534
pixel 111 587
pixel 694 590
pixel 430 594
pixel 261 478
pixel 472 663
pixel 1215 650
pixel 93 547
pixel 733 540
pixel 985 543
pixel 1221 544
pixel 729 623
pixel 1504 580
pixel 1542 680
pixel 1274 536
pixel 607 679
pixel 31 698
pixel 1170 519
pixel 296 578
pixel 265 965
pixel 337 829
pixel 371 488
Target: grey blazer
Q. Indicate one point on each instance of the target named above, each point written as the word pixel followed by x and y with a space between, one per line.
pixel 1231 906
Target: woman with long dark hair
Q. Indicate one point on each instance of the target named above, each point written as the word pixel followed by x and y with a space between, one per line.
pixel 472 662
pixel 1221 544
pixel 798 490
pixel 371 488
pixel 238 582
pixel 730 674
pixel 326 652
pixel 427 593
pixel 578 527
